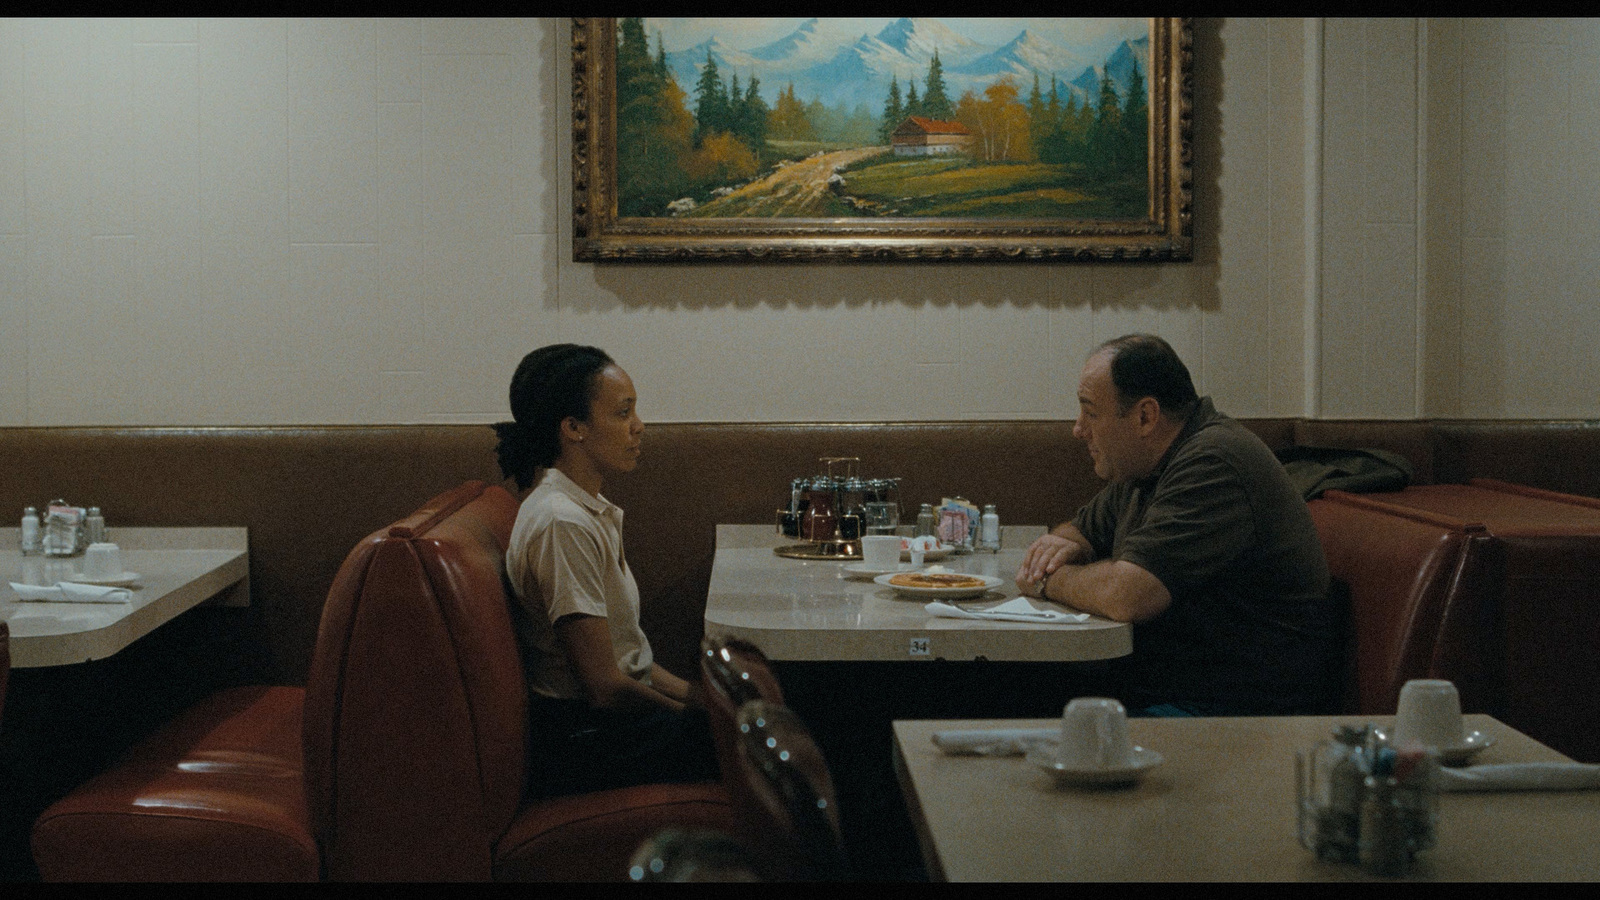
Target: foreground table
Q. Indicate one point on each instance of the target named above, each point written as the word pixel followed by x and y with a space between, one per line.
pixel 1221 808
pixel 179 569
pixel 806 610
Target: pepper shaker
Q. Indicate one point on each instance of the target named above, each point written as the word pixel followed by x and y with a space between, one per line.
pixel 1385 835
pixel 1331 784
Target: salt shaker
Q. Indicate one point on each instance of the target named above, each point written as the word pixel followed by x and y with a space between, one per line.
pixel 31 529
pixel 989 530
pixel 95 524
pixel 926 521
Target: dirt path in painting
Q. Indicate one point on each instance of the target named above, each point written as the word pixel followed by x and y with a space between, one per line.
pixel 798 189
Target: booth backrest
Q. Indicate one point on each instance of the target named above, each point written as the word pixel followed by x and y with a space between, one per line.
pixel 1423 603
pixel 309 493
pixel 416 711
pixel 1550 579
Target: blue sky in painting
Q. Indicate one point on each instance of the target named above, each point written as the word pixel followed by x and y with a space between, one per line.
pixel 1093 36
pixel 851 62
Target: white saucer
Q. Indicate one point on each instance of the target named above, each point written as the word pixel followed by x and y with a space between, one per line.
pixel 1142 761
pixel 864 571
pixel 124 580
pixel 1472 743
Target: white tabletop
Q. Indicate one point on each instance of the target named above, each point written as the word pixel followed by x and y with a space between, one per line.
pixel 1221 807
pixel 179 568
pixel 801 610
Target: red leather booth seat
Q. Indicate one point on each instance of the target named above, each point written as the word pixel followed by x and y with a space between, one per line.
pixel 217 795
pixel 403 759
pixel 1422 601
pixel 416 721
pixel 1549 591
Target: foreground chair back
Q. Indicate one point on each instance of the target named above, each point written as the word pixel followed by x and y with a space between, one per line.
pixel 5 665
pixel 688 856
pixel 732 673
pixel 793 827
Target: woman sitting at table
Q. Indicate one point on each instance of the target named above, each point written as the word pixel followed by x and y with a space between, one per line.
pixel 603 713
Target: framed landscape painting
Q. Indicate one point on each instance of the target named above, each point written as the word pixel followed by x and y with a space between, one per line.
pixel 881 139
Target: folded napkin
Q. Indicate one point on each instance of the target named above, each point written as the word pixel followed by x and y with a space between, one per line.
pixel 1017 609
pixel 72 592
pixel 1534 776
pixel 994 741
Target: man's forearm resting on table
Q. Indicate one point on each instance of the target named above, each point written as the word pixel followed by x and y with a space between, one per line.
pixel 1116 589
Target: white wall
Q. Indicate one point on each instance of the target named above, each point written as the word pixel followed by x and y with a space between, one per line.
pixel 305 220
pixel 1517 111
pixel 366 221
pixel 1460 225
pixel 1371 221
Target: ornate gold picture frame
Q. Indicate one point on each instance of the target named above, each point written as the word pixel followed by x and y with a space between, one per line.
pixel 1047 147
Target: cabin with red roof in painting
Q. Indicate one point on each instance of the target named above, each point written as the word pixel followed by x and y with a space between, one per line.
pixel 919 136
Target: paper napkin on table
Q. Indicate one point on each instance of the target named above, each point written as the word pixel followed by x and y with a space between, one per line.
pixel 1017 609
pixel 1534 776
pixel 994 741
pixel 72 592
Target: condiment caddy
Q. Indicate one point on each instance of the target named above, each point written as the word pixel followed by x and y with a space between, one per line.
pixel 831 512
pixel 957 522
pixel 63 530
pixel 1366 802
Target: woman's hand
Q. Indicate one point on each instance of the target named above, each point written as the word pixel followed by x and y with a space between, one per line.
pixel 673 686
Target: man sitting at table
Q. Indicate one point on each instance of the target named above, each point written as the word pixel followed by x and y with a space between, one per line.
pixel 1199 540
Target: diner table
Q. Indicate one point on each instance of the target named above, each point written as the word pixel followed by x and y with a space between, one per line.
pixel 1221 807
pixel 178 568
pixel 813 610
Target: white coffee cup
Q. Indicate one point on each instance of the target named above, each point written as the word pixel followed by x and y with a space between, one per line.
pixel 1094 734
pixel 1429 714
pixel 103 560
pixel 880 551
